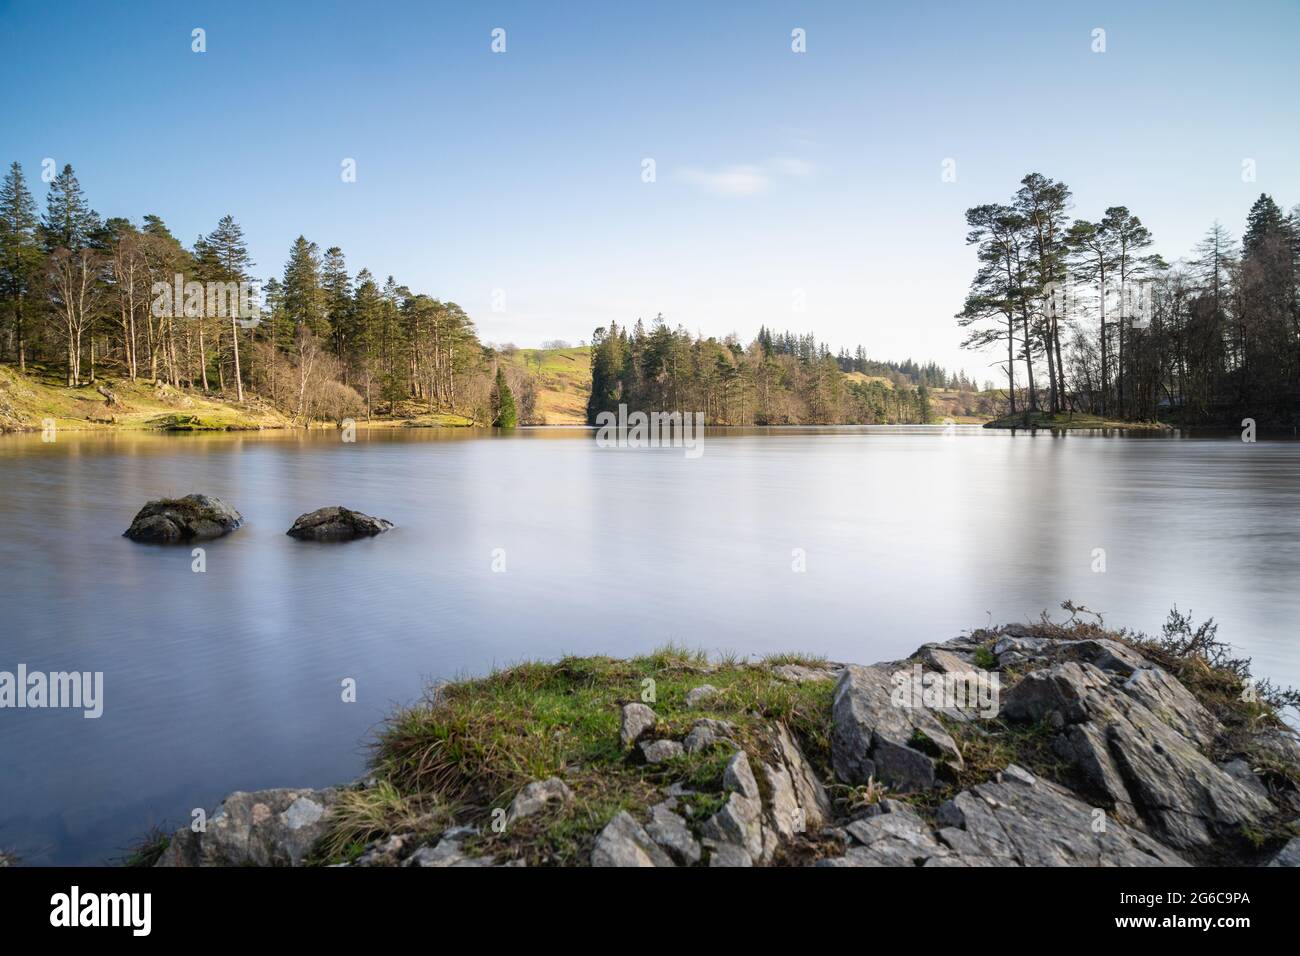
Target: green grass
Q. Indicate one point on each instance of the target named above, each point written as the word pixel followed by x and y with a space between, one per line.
pixel 27 401
pixel 472 746
pixel 150 848
pixel 563 382
pixel 462 754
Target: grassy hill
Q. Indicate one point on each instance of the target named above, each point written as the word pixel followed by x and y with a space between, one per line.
pixel 563 381
pixel 27 401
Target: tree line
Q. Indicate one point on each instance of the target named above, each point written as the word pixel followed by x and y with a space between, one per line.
pixel 1090 319
pixel 777 379
pixel 78 290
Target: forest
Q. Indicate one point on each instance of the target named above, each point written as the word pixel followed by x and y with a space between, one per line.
pixel 1090 319
pixel 777 379
pixel 77 295
pixel 77 291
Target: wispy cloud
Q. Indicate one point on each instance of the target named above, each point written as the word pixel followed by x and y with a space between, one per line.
pixel 747 179
pixel 730 180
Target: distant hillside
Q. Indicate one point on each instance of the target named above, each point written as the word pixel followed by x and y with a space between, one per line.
pixel 563 378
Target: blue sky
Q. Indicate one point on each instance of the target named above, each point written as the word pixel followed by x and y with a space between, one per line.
pixel 779 176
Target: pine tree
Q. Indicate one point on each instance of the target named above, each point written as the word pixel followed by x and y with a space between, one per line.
pixel 337 288
pixel 223 257
pixel 503 401
pixel 304 298
pixel 20 253
pixel 69 223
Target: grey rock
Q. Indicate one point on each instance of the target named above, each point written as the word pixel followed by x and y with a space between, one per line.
pixel 336 523
pixel 802 674
pixel 182 520
pixel 670 831
pixel 946 661
pixel 871 736
pixel 624 842
pixel 706 732
pixel 727 854
pixel 386 852
pixel 637 721
pixel 809 793
pixel 1242 772
pixel 701 696
pixel 538 796
pixel 1289 855
pixel 740 819
pixel 658 751
pixel 1020 642
pixel 1135 739
pixel 1104 654
pixel 1041 824
pixel 891 839
pixel 447 852
pixel 264 828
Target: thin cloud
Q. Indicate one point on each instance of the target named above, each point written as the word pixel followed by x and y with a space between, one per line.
pixel 730 181
pixel 747 179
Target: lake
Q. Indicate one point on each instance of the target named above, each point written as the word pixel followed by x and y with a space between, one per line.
pixel 231 678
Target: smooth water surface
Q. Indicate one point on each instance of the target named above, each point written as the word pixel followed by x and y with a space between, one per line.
pixel 231 679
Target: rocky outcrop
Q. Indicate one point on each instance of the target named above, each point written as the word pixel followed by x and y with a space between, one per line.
pixel 1138 737
pixel 1017 820
pixel 264 828
pixel 336 523
pixel 182 520
pixel 874 738
pixel 1118 764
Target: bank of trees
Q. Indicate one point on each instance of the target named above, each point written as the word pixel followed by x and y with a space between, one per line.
pixel 76 290
pixel 1086 317
pixel 776 379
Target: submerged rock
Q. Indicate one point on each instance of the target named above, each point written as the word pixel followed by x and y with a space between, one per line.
pixel 180 520
pixel 336 523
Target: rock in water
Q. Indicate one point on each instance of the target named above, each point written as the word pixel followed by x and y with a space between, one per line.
pixel 336 524
pixel 178 520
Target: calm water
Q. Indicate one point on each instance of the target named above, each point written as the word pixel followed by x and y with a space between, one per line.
pixel 231 679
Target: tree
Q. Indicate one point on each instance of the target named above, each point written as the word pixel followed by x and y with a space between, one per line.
pixel 1128 238
pixel 20 253
pixel 69 222
pixel 998 291
pixel 223 257
pixel 304 298
pixel 1094 257
pixel 74 268
pixel 1043 203
pixel 337 290
pixel 503 402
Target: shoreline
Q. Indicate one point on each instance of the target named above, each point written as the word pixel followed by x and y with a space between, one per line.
pixel 1103 748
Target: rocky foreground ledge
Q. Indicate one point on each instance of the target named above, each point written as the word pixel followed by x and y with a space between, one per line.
pixel 1081 747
